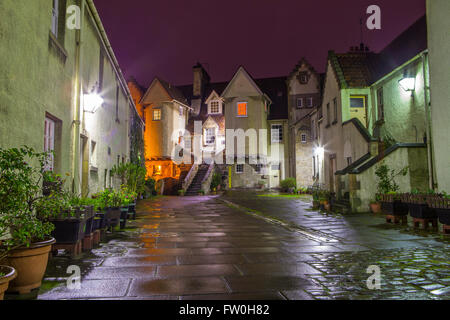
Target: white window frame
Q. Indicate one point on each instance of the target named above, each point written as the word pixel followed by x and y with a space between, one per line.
pixel 301 103
pixel 49 143
pixel 210 139
pixel 239 166
pixel 276 134
pixel 55 18
pixel 310 102
pixel 246 109
pixel 304 138
pixel 219 107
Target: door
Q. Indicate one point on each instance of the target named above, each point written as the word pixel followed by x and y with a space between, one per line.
pixel 49 143
pixel 275 171
pixel 358 109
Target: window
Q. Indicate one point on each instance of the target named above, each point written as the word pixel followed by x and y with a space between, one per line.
pixel 156 114
pixel 357 102
pixel 258 168
pixel 242 109
pixel 181 111
pixel 309 102
pixel 299 103
pixel 303 77
pixel 157 170
pixel 380 104
pixel 277 133
pixel 303 137
pixel 349 161
pixel 210 134
pixel 214 107
pixel 335 110
pixel 276 167
pixel 55 17
pixel 49 143
pixel 239 168
pixel 328 114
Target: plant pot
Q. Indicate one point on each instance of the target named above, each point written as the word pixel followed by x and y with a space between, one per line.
pixel 99 221
pixel 444 216
pixel 375 207
pixel 316 204
pixel 123 217
pixel 89 224
pixel 30 264
pixel 422 211
pixel 327 206
pixel 132 211
pixel 396 208
pixel 112 216
pixel 70 230
pixel 10 274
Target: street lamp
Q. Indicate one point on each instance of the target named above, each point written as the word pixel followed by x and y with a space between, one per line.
pixel 92 101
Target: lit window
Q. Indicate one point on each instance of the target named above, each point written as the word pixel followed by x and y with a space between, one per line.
pixel 215 107
pixel 242 109
pixel 277 133
pixel 210 135
pixel 303 136
pixel 299 103
pixel 157 170
pixel 157 115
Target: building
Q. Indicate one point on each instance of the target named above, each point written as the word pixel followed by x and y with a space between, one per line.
pixel 374 109
pixel 62 90
pixel 305 94
pixel 439 56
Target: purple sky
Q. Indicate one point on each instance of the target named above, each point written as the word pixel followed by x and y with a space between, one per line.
pixel 167 37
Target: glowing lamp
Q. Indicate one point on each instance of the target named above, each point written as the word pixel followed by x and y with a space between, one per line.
pixel 408 83
pixel 320 151
pixel 92 102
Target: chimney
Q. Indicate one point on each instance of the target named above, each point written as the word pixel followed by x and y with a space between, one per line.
pixel 201 79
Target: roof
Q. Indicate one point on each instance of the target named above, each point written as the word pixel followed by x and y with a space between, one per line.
pixel 173 91
pixel 361 68
pixel 276 90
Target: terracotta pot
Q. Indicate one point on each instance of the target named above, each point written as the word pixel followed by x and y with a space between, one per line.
pixel 30 264
pixel 375 207
pixel 327 206
pixel 10 274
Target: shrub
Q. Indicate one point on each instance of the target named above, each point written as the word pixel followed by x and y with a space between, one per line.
pixel 386 178
pixel 287 184
pixel 216 180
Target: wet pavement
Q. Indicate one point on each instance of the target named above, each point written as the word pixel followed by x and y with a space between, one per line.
pixel 186 248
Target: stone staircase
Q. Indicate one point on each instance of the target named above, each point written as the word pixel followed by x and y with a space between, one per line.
pixel 196 184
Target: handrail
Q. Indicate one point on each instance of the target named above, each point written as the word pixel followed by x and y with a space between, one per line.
pixel 190 176
pixel 208 173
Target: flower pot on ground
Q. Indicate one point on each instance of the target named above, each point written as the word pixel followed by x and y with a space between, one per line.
pixel 25 214
pixel 30 264
pixel 7 274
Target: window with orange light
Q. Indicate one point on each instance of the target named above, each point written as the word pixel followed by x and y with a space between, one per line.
pixel 157 170
pixel 242 109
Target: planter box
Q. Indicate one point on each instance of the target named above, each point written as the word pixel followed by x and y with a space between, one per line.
pixel 123 217
pixel 89 217
pixel 422 211
pixel 99 221
pixel 132 211
pixel 444 216
pixel 112 217
pixel 396 208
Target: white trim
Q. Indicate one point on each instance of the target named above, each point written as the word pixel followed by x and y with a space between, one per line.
pixel 219 102
pixel 279 132
pixel 236 168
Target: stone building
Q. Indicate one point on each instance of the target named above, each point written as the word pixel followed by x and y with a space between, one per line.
pixel 439 55
pixel 374 110
pixel 305 89
pixel 62 90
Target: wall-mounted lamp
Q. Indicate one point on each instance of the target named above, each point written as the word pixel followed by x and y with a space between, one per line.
pixel 408 82
pixel 320 151
pixel 92 101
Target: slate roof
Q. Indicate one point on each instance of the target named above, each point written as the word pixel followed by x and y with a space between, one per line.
pixel 358 69
pixel 174 91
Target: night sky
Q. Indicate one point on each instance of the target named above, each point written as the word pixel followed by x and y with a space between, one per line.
pixel 167 37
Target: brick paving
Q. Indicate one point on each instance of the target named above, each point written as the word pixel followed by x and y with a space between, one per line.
pixel 186 248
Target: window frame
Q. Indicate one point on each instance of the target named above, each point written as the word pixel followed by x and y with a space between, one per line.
pixel 335 107
pixel 213 136
pixel 154 112
pixel 49 143
pixel 219 107
pixel 301 104
pixel 280 133
pixel 305 140
pixel 328 115
pixel 238 165
pixel 246 109
pixel 310 102
pixel 380 104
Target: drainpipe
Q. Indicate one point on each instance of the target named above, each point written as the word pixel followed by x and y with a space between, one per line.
pixel 428 124
pixel 77 105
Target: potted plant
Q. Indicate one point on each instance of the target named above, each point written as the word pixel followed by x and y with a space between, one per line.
pixel 215 182
pixel 24 218
pixel 288 185
pixel 316 199
pixel 181 192
pixel 441 203
pixel 375 205
pixel 387 187
pixel 262 184
pixel 324 200
pixel 108 203
pixel 7 274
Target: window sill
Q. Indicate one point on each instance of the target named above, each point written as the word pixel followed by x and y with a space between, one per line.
pixel 58 47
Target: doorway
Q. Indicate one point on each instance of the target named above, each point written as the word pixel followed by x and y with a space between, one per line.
pixel 358 109
pixel 332 171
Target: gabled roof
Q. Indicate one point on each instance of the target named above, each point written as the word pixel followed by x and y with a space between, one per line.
pixel 303 61
pixel 172 92
pixel 242 70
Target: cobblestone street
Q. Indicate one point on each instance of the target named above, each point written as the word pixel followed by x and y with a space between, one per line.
pixel 204 248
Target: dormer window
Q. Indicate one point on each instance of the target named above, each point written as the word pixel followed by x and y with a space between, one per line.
pixel 215 107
